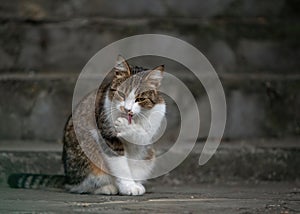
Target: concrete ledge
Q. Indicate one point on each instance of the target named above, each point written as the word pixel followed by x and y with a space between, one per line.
pixel 39 105
pixel 246 161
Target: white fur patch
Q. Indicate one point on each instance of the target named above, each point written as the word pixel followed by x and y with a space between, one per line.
pixel 119 167
pixel 130 100
pixel 153 119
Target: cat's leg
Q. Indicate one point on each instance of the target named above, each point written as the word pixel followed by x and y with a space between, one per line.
pixel 141 160
pixel 135 139
pixel 139 152
pixel 121 170
pixel 95 184
pixel 103 182
pixel 140 165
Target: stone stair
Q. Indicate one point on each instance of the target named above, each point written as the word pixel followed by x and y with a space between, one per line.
pixel 236 161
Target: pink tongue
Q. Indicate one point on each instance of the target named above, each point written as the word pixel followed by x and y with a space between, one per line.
pixel 129 118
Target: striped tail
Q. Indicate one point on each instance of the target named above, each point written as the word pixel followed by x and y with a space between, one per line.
pixel 36 181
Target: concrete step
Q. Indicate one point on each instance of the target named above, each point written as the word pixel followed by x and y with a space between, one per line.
pixel 257 105
pixel 42 10
pixel 237 161
pixel 231 45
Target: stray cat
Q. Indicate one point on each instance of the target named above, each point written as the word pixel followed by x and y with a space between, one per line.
pixel 128 111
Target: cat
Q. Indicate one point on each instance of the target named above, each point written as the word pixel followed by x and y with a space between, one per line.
pixel 128 111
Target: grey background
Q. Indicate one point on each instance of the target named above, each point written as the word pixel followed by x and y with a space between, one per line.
pixel 252 44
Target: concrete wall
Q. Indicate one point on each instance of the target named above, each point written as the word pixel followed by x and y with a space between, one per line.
pixel 253 45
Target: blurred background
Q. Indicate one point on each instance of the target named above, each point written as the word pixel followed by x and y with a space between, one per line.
pixel 253 45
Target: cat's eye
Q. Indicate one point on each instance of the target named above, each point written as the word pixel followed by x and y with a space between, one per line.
pixel 140 99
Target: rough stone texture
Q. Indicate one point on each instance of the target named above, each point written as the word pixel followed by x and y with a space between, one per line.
pixel 253 45
pixel 239 161
pixel 231 46
pixel 262 108
pixel 38 109
pixel 247 161
pixel 34 109
pixel 42 9
pixel 236 198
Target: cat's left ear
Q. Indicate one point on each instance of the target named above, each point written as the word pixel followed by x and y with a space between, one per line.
pixel 121 68
pixel 155 76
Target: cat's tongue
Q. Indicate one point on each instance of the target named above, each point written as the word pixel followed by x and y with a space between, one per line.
pixel 129 118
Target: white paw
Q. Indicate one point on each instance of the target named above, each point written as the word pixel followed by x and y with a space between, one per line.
pixel 121 122
pixel 131 189
pixel 107 190
pixel 121 125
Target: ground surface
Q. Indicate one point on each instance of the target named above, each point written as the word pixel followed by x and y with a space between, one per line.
pixel 204 198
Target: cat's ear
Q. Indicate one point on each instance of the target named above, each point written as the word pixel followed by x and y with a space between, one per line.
pixel 121 68
pixel 155 76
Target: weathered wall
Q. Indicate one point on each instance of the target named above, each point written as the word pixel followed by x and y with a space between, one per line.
pixel 253 45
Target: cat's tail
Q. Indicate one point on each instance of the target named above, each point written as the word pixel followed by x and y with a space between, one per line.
pixel 36 181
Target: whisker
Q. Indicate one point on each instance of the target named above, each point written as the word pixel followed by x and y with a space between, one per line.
pixel 146 119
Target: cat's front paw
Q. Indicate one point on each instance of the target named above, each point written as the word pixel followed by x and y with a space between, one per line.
pixel 122 126
pixel 121 122
pixel 106 190
pixel 132 133
pixel 131 188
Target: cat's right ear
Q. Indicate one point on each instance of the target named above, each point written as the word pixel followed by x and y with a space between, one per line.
pixel 121 68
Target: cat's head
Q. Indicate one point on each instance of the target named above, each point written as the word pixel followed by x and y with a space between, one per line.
pixel 135 92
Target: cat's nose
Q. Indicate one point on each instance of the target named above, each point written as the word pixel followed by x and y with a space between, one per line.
pixel 128 111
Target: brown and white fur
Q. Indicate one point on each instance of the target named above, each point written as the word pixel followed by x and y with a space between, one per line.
pixel 129 112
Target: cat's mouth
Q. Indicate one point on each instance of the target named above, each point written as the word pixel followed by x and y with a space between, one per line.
pixel 129 117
